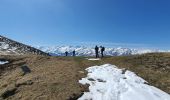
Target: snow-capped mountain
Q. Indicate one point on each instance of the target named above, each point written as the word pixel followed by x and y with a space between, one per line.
pixel 89 51
pixel 8 46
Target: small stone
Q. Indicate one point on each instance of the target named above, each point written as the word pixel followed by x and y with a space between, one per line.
pixel 81 72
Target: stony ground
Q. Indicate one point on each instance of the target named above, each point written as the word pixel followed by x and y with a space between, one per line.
pixel 56 78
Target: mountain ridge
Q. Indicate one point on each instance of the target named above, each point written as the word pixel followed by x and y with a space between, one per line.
pixel 9 46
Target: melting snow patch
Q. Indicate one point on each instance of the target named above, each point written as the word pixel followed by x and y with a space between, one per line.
pixel 3 62
pixel 107 82
pixel 93 59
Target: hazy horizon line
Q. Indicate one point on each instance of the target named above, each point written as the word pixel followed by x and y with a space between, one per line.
pixel 106 44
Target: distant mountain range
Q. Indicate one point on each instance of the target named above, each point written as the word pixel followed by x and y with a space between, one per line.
pixel 89 51
pixel 9 46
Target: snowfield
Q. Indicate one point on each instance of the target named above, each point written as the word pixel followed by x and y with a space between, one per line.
pixel 107 82
pixel 3 62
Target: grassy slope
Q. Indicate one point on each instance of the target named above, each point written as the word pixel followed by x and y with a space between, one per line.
pixel 155 68
pixel 57 77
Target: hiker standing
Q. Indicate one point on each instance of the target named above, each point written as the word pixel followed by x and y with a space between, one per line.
pixel 66 53
pixel 74 53
pixel 102 51
pixel 97 51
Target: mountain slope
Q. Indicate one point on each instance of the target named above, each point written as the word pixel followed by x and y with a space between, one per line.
pixel 8 46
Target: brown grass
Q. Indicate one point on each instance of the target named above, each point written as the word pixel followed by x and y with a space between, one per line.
pixel 56 78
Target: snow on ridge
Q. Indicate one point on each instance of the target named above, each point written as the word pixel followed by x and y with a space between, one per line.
pixel 89 51
pixel 5 48
pixel 107 82
pixel 3 45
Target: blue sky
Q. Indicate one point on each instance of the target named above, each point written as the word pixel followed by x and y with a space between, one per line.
pixel 133 23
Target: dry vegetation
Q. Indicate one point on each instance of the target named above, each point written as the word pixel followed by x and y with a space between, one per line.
pixel 56 78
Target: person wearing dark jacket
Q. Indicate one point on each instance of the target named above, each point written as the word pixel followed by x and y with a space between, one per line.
pixel 66 53
pixel 97 51
pixel 74 53
pixel 102 51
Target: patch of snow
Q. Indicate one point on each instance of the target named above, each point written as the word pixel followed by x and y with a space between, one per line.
pixel 93 59
pixel 107 82
pixel 3 62
pixel 3 45
pixel 5 49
